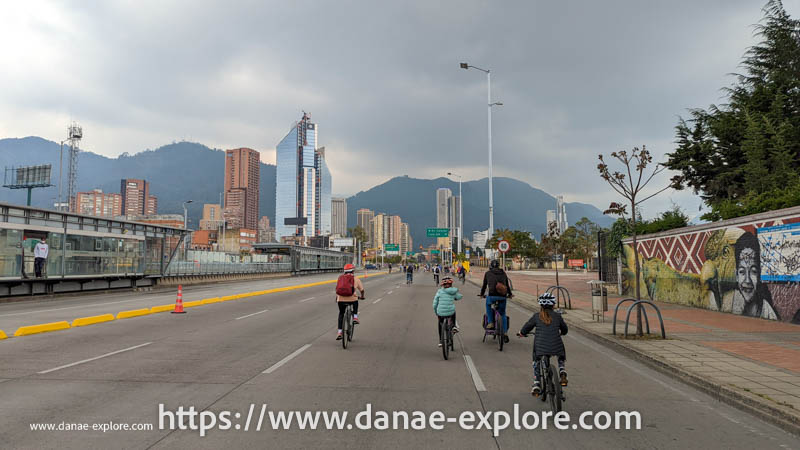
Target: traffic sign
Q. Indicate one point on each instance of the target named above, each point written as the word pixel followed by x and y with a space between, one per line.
pixel 503 246
pixel 391 247
pixel 438 232
pixel 409 253
pixel 435 252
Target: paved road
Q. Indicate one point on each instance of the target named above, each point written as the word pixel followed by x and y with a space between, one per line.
pixel 215 357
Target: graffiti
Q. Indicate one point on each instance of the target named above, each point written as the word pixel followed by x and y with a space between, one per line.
pixel 751 269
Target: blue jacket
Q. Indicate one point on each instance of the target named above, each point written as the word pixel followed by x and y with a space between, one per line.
pixel 443 301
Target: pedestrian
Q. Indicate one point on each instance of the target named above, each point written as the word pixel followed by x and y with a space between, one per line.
pixel 40 257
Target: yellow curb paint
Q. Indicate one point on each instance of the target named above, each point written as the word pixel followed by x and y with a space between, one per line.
pixel 41 328
pixel 161 308
pixel 3 335
pixel 208 301
pixel 133 313
pixel 193 304
pixel 83 321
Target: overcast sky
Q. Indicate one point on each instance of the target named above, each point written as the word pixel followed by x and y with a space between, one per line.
pixel 381 79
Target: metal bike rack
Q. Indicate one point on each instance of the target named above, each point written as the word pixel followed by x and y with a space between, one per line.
pixel 616 310
pixel 645 302
pixel 562 292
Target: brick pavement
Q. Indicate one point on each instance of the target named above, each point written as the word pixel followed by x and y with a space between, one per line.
pixel 754 362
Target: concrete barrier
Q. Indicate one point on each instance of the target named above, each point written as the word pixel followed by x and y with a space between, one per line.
pixel 192 304
pixel 133 313
pixel 2 335
pixel 161 308
pixel 208 301
pixel 41 328
pixel 91 320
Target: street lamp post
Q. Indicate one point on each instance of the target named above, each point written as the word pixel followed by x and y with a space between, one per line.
pixel 460 210
pixel 489 123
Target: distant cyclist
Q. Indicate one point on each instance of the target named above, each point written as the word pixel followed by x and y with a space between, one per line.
pixel 498 287
pixel 346 287
pixel 409 274
pixel 550 326
pixel 436 273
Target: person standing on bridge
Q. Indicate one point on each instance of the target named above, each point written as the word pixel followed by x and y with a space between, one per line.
pixel 40 253
pixel 346 288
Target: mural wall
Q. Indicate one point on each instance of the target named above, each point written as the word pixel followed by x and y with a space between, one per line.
pixel 751 269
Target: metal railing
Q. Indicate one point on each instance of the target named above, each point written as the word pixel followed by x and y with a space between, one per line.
pixel 644 313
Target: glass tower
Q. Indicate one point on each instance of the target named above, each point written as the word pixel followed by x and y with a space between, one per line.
pixel 303 184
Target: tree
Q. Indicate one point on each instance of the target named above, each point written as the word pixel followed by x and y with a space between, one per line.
pixel 631 186
pixel 553 244
pixel 742 157
pixel 586 239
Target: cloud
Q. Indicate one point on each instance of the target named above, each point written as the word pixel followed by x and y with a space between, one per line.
pixel 380 78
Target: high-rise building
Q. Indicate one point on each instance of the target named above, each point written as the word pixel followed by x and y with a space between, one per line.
pixel 242 184
pixel 98 203
pixel 136 198
pixel 479 238
pixel 339 216
pixel 364 220
pixel 561 214
pixel 303 184
pixel 406 243
pixel 443 207
pixel 266 233
pixel 454 216
pixel 379 229
pixel 212 217
pixel 393 229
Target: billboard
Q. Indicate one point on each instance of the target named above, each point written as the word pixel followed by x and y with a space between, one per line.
pixel 575 262
pixel 29 176
pixel 344 242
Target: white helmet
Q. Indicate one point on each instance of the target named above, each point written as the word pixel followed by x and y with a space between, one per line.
pixel 547 299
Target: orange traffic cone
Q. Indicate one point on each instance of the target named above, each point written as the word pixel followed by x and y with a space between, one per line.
pixel 179 302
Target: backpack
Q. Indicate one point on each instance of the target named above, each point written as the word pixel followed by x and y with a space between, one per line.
pixel 346 285
pixel 501 288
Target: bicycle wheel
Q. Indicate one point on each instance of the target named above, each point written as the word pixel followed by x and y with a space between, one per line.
pixel 346 328
pixel 551 389
pixel 558 395
pixel 443 341
pixel 499 330
pixel 352 327
pixel 542 381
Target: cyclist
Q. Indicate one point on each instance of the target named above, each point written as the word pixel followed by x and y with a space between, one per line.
pixel 550 326
pixel 443 305
pixel 436 273
pixel 462 273
pixel 410 273
pixel 498 287
pixel 348 284
pixel 390 267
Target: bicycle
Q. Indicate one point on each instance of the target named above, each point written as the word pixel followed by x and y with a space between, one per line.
pixel 436 279
pixel 409 278
pixel 446 337
pixel 498 332
pixel 347 325
pixel 463 278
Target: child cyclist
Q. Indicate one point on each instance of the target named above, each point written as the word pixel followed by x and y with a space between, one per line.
pixel 444 303
pixel 550 326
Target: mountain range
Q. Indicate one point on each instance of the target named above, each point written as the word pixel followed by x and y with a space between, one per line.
pixel 190 171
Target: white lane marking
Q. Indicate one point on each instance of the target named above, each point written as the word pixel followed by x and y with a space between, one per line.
pixel 307 299
pixel 278 364
pixel 250 315
pixel 390 293
pixel 376 301
pixel 95 358
pixel 476 378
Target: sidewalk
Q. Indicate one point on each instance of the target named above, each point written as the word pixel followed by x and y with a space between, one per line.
pixel 751 363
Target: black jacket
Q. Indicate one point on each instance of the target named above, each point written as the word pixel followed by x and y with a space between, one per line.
pixel 548 340
pixel 490 280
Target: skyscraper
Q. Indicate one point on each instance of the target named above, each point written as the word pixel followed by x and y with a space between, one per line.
pixel 561 214
pixel 136 198
pixel 303 184
pixel 551 219
pixel 406 244
pixel 454 217
pixel 212 217
pixel 242 183
pixel 443 207
pixel 339 216
pixel 379 228
pixel 364 220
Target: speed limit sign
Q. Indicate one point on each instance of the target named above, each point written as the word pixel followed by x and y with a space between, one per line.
pixel 503 246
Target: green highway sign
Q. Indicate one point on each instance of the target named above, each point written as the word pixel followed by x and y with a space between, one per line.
pixel 435 252
pixel 409 253
pixel 391 247
pixel 438 232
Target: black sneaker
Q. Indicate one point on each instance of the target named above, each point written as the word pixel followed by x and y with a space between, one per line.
pixel 339 337
pixel 505 338
pixel 563 378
